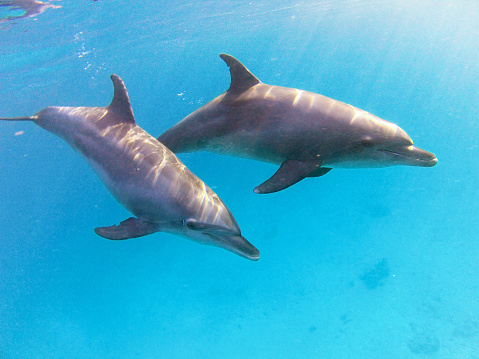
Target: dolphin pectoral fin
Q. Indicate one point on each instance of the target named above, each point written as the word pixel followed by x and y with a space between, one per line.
pixel 227 239
pixel 320 171
pixel 129 228
pixel 291 172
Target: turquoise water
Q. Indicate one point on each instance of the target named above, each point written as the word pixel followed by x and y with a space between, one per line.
pixel 365 263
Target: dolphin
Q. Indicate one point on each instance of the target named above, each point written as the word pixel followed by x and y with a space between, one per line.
pixel 143 175
pixel 306 133
pixel 32 8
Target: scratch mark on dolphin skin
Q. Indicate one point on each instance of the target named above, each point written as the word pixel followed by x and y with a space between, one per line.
pixel 268 94
pixel 297 97
pixel 311 103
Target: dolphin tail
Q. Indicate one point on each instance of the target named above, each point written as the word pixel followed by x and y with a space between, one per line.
pixel 26 118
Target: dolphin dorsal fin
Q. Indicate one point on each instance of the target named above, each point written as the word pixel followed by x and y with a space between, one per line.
pixel 120 105
pixel 241 78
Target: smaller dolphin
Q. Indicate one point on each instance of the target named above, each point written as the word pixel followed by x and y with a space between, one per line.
pixel 143 175
pixel 32 8
pixel 307 133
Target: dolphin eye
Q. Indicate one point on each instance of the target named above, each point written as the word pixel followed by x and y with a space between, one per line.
pixel 366 143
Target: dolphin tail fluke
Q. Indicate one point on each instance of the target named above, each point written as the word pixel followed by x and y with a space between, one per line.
pixel 25 118
pixel 129 228
pixel 291 172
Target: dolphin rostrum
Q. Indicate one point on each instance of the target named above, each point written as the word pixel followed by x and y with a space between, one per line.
pixel 307 133
pixel 143 175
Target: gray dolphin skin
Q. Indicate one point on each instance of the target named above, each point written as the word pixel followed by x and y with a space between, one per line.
pixel 307 133
pixel 143 175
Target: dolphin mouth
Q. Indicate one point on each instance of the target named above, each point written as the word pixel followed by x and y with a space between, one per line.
pixel 412 156
pixel 237 244
pixel 228 239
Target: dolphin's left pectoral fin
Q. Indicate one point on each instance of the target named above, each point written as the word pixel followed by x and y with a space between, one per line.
pixel 291 172
pixel 129 228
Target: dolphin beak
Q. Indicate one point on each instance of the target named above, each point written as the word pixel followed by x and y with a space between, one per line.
pixel 412 156
pixel 225 238
pixel 238 245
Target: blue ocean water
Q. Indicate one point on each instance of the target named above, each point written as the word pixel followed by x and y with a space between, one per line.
pixel 364 263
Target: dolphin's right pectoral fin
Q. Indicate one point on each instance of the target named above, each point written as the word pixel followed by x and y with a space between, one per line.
pixel 291 172
pixel 129 228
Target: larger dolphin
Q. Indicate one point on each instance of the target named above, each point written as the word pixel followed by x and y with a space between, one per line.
pixel 143 175
pixel 307 133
